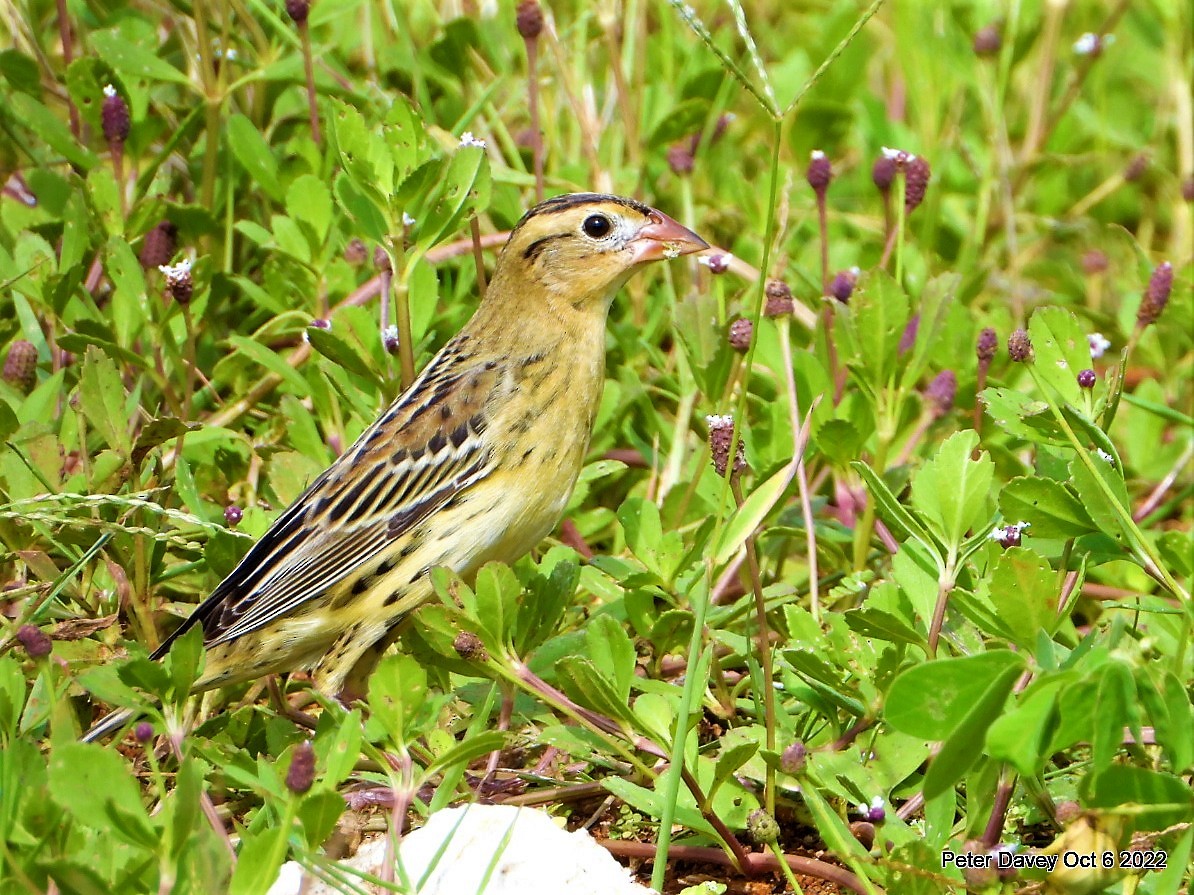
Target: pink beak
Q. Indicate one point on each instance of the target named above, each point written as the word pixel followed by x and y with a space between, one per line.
pixel 663 238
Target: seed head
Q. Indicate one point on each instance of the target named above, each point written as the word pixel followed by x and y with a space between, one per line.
pixel 679 159
pixel 741 332
pixel 941 392
pixel 180 285
pixel 721 438
pixel 1188 189
pixel 1009 535
pixel 159 245
pixel 143 732
pixel 916 180
pixel 1136 167
pixel 988 342
pixel 883 172
pixel 988 41
pixel 718 263
pixel 469 647
pixel 864 832
pixel 37 642
pixel 794 758
pixel 1019 346
pixel 114 116
pixel 1156 296
pixel 381 261
pixel 356 252
pixel 762 827
pixel 908 338
pixel 779 298
pixel 302 768
pixel 389 339
pixel 1094 262
pixel 529 19
pixel 820 173
pixel 842 285
pixel 232 515
pixel 298 10
pixel 320 323
pixel 1087 378
pixel 20 366
pixel 874 812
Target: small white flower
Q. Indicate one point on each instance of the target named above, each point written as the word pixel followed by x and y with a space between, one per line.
pixel 407 220
pixel 722 259
pixel 173 272
pixel 898 155
pixel 719 420
pixel 1009 531
pixel 855 271
pixel 1098 344
pixel 109 91
pixel 1106 456
pixel 467 139
pixel 1090 43
pixel 817 153
pixel 390 332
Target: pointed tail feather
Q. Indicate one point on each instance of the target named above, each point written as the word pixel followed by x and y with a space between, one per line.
pixel 108 724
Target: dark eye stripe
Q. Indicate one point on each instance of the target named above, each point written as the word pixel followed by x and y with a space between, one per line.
pixel 531 252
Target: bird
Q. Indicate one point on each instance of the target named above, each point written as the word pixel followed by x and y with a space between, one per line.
pixel 474 462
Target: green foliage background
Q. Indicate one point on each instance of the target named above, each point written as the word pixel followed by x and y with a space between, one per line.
pixel 1060 669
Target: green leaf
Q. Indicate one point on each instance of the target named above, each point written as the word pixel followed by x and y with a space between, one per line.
pixel 33 115
pixel 128 310
pixel 318 813
pixel 935 699
pixel 362 208
pixel 271 361
pixel 101 398
pixel 650 803
pixel 1061 351
pixel 1022 735
pixel 261 854
pixel 309 200
pixel 612 653
pixel 748 517
pixel 964 745
pixel 685 119
pixel 464 189
pixel 950 490
pixel 1025 591
pixel 130 59
pixel 397 694
pixel 340 352
pixel 902 523
pixel 1155 800
pixel 1113 711
pixel 94 784
pixel 878 312
pixel 254 154
pixel 589 687
pixel 839 440
pixel 1052 509
pixel 1023 416
pixel 1100 491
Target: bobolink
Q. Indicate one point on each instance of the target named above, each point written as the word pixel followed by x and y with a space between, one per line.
pixel 474 462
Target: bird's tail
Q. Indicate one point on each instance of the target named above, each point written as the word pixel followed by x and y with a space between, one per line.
pixel 108 724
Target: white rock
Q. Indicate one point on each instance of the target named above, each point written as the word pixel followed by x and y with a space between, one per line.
pixel 520 851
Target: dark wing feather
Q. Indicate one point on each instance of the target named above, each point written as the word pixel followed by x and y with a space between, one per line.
pixel 426 448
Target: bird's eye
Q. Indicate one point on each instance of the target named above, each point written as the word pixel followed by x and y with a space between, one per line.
pixel 596 226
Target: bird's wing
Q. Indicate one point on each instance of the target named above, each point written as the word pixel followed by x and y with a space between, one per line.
pixel 426 448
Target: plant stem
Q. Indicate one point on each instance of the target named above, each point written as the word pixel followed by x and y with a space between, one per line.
pixel 763 636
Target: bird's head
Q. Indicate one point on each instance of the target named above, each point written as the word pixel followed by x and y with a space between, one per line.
pixel 581 247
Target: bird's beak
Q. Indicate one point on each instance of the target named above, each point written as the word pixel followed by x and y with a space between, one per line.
pixel 663 238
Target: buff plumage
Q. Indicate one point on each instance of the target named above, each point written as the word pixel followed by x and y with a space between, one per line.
pixel 474 462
